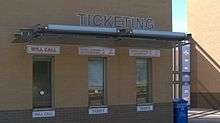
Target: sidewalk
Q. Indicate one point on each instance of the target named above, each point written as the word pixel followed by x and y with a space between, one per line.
pixel 204 116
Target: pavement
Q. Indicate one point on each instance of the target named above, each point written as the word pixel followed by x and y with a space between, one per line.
pixel 204 116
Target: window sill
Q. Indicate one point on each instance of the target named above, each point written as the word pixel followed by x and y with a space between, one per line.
pixel 43 109
pixel 144 104
pixel 99 106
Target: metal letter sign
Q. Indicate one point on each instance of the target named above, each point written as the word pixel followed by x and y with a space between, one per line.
pixel 141 23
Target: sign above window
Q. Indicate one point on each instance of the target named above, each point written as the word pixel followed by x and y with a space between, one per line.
pixel 144 53
pixel 141 23
pixel 96 51
pixel 37 49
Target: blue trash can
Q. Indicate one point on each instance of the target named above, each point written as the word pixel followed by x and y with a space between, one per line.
pixel 180 111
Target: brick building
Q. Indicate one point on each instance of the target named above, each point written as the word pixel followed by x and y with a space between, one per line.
pixel 50 74
pixel 203 23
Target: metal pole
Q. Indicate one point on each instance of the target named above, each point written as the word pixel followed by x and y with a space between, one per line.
pixel 180 70
pixel 173 73
pixel 177 71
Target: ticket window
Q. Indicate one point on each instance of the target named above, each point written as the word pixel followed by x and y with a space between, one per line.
pixel 42 77
pixel 96 81
pixel 143 81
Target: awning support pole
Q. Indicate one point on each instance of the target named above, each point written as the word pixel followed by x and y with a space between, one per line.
pixel 177 71
pixel 180 71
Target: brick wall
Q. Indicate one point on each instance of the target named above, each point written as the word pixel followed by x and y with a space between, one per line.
pixel 117 114
pixel 70 77
pixel 203 23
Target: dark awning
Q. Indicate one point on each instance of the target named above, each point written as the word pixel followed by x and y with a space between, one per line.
pixel 63 34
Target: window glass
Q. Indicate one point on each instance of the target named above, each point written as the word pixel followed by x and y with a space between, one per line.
pixel 143 83
pixel 96 81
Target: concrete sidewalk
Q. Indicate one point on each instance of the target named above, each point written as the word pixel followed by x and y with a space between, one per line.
pixel 204 116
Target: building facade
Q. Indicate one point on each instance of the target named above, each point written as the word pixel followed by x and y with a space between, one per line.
pixel 78 79
pixel 204 25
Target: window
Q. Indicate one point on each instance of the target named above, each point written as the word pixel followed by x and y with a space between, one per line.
pixel 96 80
pixel 143 83
pixel 42 94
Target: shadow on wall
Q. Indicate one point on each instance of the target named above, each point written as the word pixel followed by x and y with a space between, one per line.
pixel 205 79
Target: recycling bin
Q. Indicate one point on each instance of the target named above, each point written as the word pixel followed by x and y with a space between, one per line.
pixel 180 111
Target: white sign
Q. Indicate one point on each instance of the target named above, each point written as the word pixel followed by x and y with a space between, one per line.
pixel 36 114
pixel 36 49
pixel 98 110
pixel 145 108
pixel 96 51
pixel 144 53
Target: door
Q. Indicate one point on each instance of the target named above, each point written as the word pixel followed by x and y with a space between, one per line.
pixel 42 94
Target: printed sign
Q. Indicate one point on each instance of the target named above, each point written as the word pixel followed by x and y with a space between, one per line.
pixel 98 110
pixel 144 53
pixel 144 108
pixel 186 91
pixel 96 51
pixel 36 114
pixel 186 78
pixel 36 49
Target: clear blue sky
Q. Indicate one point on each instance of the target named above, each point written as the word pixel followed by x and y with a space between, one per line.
pixel 179 15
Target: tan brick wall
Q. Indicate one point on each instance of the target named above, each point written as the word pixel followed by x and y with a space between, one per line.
pixel 121 78
pixel 70 91
pixel 15 78
pixel 162 91
pixel 70 78
pixel 203 23
pixel 117 114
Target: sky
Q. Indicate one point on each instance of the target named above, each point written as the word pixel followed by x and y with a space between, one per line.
pixel 179 15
